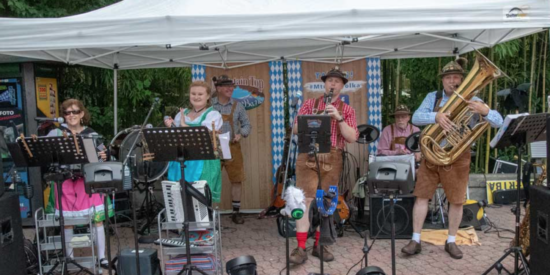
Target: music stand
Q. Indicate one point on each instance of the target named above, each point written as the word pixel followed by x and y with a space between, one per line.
pixel 314 132
pixel 56 151
pixel 522 130
pixel 181 144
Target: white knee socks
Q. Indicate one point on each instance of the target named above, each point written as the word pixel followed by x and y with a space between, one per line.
pixel 100 241
pixel 68 238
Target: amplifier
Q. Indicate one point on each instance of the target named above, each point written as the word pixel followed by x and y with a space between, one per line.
pixel 380 221
pixel 174 204
pixel 148 262
pixel 390 175
pixel 507 196
pixel 104 175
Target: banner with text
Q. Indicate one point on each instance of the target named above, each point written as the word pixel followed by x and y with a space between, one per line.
pixel 254 86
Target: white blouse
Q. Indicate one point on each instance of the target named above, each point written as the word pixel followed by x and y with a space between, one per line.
pixel 211 116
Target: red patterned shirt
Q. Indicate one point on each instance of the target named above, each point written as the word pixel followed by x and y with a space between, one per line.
pixel 348 113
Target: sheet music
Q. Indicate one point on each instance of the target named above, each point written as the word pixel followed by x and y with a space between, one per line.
pixel 224 144
pixel 507 120
pixel 89 147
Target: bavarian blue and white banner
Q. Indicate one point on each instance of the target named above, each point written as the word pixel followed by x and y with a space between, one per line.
pixel 374 97
pixel 198 72
pixel 276 82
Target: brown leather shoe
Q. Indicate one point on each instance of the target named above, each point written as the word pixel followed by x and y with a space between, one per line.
pixel 237 218
pixel 327 256
pixel 412 248
pixel 453 250
pixel 298 256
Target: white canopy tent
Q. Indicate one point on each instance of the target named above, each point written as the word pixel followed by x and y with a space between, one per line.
pixel 136 34
pixel 228 33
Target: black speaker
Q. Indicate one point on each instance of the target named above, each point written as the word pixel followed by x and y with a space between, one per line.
pixel 473 215
pixel 380 209
pixel 148 262
pixel 507 196
pixel 539 230
pixel 390 175
pixel 12 252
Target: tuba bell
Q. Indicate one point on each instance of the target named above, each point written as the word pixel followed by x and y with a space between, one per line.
pixel 442 147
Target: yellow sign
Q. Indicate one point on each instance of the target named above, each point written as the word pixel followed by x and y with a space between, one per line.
pixel 494 185
pixel 46 97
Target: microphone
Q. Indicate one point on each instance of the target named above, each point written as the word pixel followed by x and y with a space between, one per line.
pixel 167 117
pixel 296 99
pixel 51 119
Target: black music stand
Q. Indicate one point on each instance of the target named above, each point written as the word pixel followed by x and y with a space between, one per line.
pixel 181 144
pixel 521 131
pixel 56 151
pixel 314 133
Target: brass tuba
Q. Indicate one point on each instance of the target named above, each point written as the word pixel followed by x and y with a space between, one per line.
pixel 443 148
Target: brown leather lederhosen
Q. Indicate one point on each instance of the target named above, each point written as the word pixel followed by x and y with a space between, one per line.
pixel 234 166
pixel 398 140
pixel 454 178
pixel 330 165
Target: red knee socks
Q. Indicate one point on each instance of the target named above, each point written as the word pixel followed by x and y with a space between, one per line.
pixel 301 237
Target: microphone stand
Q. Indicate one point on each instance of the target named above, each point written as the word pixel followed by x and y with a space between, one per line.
pixel 136 241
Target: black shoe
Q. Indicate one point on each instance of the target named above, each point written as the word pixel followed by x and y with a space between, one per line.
pixel 104 263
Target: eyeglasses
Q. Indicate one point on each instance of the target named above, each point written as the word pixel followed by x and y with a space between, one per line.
pixel 75 112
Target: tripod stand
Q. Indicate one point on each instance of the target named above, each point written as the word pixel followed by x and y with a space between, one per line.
pixel 522 130
pixel 182 144
pixel 147 208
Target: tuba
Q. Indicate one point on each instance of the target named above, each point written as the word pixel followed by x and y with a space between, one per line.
pixel 442 147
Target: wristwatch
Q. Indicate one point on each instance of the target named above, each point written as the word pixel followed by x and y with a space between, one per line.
pixel 341 120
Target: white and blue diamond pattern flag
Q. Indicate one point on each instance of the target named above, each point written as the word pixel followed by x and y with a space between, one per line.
pixel 374 100
pixel 276 83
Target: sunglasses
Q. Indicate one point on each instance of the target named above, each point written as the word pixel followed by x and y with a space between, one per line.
pixel 75 112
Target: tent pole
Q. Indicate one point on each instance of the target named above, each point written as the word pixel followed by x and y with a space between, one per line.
pixel 115 84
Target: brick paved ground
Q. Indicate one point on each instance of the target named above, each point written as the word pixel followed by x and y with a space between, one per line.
pixel 259 238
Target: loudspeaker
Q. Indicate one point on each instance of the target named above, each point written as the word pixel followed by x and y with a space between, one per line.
pixel 507 196
pixel 473 215
pixel 12 251
pixel 380 209
pixel 148 262
pixel 539 229
pixel 390 175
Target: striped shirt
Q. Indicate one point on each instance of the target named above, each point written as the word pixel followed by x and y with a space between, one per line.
pixel 348 113
pixel 240 118
pixel 425 115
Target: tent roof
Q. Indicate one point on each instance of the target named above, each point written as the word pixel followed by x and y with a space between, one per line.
pixel 170 33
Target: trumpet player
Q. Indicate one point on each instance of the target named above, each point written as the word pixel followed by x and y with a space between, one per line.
pixel 454 177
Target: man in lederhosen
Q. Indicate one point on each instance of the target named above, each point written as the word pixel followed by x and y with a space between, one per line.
pixel 392 140
pixel 235 121
pixel 343 129
pixel 454 178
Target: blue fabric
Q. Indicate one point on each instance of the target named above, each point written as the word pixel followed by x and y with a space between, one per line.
pixel 425 115
pixel 193 170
